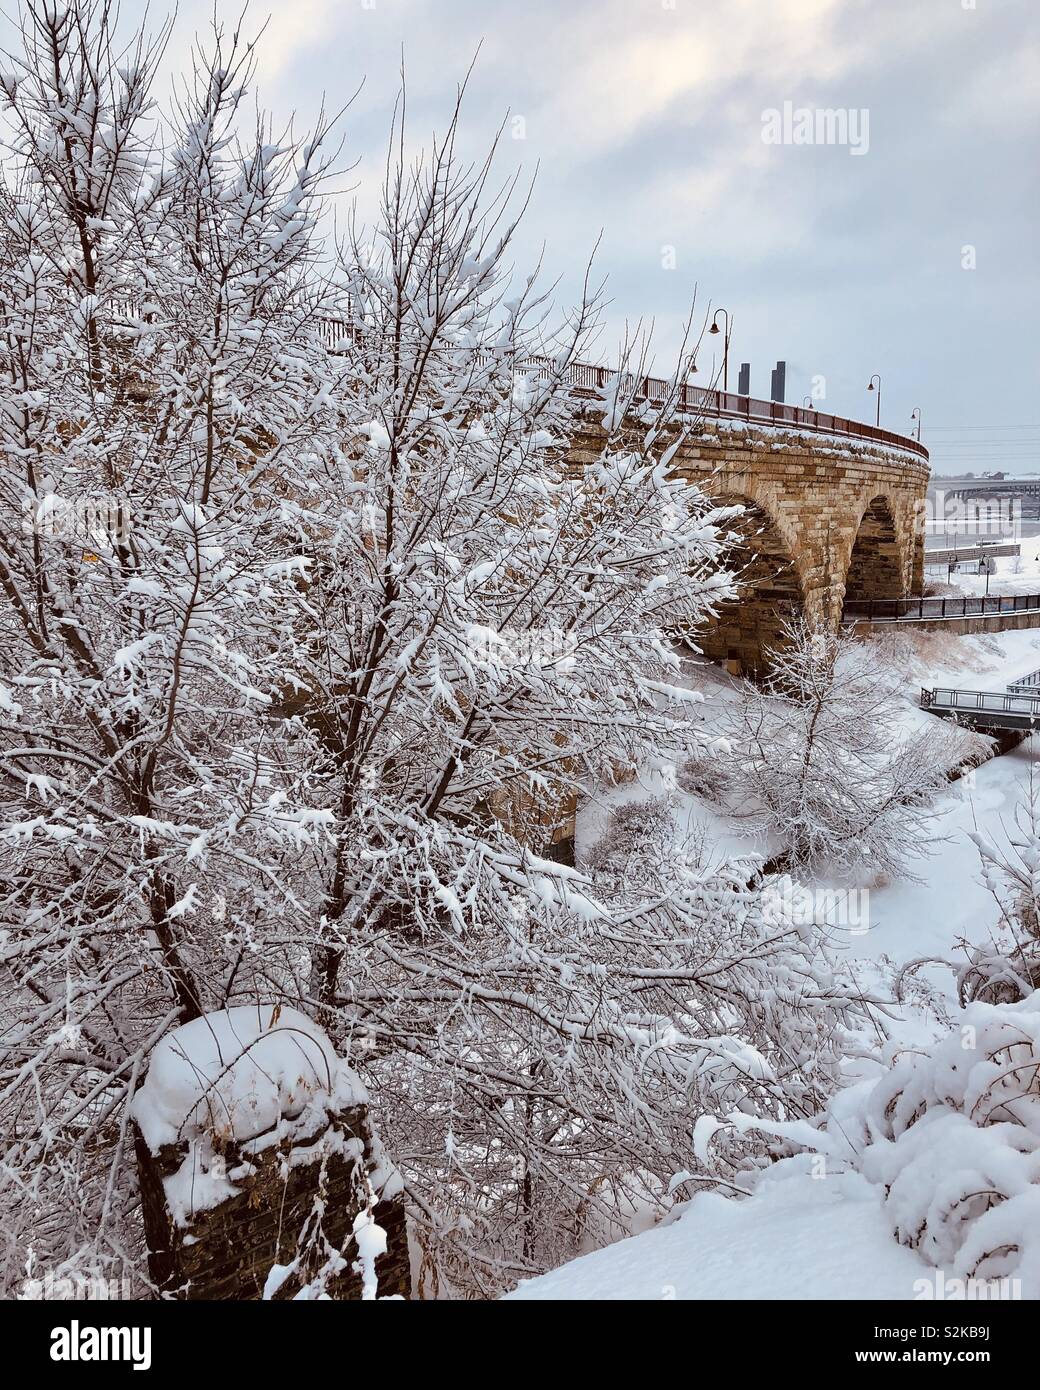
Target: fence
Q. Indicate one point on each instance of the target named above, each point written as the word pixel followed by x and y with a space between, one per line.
pixel 915 610
pixel 1026 684
pixel 981 707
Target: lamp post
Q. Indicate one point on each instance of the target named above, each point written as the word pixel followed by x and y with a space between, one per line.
pixel 915 414
pixel 870 387
pixel 807 403
pixel 725 344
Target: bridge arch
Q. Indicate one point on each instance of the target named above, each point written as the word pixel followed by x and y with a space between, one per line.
pixel 876 567
pixel 770 591
pixel 838 506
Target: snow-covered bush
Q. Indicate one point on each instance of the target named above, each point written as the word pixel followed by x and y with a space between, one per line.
pixel 706 775
pixel 637 836
pixel 952 1136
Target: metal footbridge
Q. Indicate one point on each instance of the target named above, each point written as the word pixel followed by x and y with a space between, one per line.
pixel 1017 707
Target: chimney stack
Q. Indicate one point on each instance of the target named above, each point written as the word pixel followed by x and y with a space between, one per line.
pixel 778 383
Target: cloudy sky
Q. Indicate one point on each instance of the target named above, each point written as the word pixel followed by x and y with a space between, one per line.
pixel 645 121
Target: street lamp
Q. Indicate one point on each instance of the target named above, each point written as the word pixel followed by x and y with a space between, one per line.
pixel 915 414
pixel 807 403
pixel 725 344
pixel 986 567
pixel 870 387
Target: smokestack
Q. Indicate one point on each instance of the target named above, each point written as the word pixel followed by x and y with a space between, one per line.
pixel 778 382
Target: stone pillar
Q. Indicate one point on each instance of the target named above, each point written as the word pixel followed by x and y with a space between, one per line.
pixel 228 1250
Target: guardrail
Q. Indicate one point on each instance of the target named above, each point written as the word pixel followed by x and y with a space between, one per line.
pixel 995 708
pixel 915 610
pixel 724 405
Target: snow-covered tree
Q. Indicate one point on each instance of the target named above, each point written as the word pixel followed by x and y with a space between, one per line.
pixel 548 1087
pixel 314 626
pixel 821 761
pixel 163 387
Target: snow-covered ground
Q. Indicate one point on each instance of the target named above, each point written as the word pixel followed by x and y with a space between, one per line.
pixel 801 1237
pixel 909 920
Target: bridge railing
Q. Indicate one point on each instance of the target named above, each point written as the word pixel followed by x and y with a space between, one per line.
pixel 1026 684
pixel 722 405
pixel 894 610
pixel 942 699
pixel 728 405
pixel 1010 487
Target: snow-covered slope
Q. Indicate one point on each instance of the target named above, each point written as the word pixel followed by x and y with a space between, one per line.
pixel 801 1238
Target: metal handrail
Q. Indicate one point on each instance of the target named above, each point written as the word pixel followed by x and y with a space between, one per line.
pixel 1024 684
pixel 981 701
pixel 891 610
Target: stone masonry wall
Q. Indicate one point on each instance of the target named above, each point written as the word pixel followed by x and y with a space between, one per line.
pixel 227 1251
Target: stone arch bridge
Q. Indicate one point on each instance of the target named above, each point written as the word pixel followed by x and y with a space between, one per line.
pixel 833 511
